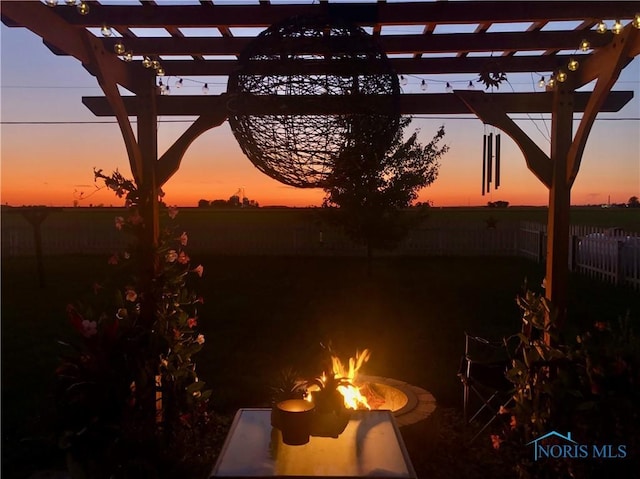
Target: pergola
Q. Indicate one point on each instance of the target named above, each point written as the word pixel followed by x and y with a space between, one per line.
pixel 118 62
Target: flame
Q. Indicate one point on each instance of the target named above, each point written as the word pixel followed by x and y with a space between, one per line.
pixel 353 398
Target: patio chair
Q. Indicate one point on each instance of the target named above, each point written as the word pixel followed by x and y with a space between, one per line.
pixel 485 386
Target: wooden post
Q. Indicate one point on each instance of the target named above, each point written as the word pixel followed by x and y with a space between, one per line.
pixel 559 202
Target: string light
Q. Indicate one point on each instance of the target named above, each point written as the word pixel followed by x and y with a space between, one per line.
pixel 155 64
pixel 471 86
pixel 160 72
pixel 119 48
pixel 83 8
pixel 146 62
pixel 403 80
pixel 423 85
pixel 636 21
pixel 585 45
pixel 541 82
pixel 573 64
pixel 617 27
pixel 71 3
pixel 178 83
pixel 106 31
pixel 52 3
pixel 551 83
pixel 205 89
pixel 448 88
pixel 128 57
pixel 561 76
pixel 601 27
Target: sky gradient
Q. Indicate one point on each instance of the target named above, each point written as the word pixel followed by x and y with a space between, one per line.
pixel 51 143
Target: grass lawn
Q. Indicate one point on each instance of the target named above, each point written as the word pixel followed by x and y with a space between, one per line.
pixel 262 314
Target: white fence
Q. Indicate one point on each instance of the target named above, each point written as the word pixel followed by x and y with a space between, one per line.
pixel 610 255
pixel 607 254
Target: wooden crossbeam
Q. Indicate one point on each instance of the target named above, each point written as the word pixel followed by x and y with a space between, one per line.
pixel 410 104
pixel 365 14
pixel 391 44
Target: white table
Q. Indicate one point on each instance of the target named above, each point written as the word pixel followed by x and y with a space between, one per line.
pixel 370 446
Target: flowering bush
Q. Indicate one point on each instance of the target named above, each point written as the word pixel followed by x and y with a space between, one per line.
pixel 131 377
pixel 590 387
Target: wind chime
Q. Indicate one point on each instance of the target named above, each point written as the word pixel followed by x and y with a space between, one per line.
pixel 490 161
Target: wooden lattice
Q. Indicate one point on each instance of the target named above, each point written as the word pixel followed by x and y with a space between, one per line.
pixel 300 149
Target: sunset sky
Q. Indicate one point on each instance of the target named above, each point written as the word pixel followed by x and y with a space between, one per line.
pixel 51 142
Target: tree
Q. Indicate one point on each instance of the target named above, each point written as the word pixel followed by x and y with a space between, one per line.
pixel 367 191
pixel 203 204
pixel 634 202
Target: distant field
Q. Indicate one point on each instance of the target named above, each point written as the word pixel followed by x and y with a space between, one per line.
pixel 626 218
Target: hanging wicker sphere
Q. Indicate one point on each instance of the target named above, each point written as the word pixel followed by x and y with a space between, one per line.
pixel 307 89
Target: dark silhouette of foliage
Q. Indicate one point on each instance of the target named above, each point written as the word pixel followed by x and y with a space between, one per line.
pixel 368 193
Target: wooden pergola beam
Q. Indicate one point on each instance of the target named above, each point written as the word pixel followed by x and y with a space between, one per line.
pixel 391 44
pixel 415 66
pixel 410 104
pixel 362 14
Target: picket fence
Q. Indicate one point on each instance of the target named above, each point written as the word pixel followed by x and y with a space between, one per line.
pixel 609 255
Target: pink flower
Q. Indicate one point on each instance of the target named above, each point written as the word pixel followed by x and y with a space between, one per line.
pixel 131 295
pixel 503 410
pixel 496 441
pixel 200 339
pixel 513 423
pixel 135 218
pixel 172 212
pixel 183 258
pixel 119 222
pixel 184 238
pixel 191 322
pixel 171 256
pixel 89 328
pixel 199 270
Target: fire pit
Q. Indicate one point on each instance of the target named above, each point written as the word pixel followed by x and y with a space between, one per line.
pixel 408 403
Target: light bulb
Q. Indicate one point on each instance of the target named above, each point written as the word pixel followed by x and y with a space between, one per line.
pixel 403 80
pixel 541 82
pixel 178 83
pixel 160 72
pixel 119 48
pixel 106 31
pixel 167 90
pixel 561 76
pixel 601 27
pixel 552 82
pixel 471 86
pixel 127 57
pixel 585 45
pixel 617 27
pixel 423 85
pixel 205 89
pixel 448 88
pixel 155 64
pixel 573 64
pixel 71 3
pixel 146 62
pixel 52 3
pixel 83 8
pixel 636 21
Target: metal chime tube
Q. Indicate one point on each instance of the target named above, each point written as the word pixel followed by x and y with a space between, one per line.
pixel 497 182
pixel 489 161
pixel 484 161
